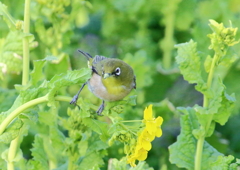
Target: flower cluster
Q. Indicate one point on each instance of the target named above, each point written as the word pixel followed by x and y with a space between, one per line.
pixel 146 136
pixel 222 36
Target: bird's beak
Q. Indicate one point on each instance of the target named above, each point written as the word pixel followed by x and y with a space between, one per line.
pixel 106 75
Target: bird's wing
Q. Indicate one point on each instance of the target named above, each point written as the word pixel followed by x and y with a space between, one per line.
pixel 95 68
pixel 97 59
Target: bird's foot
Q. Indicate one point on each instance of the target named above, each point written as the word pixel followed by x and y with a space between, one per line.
pixel 100 109
pixel 74 100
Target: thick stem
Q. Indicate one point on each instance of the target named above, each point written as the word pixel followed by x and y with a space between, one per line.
pixel 200 142
pixel 25 106
pixel 168 41
pixel 12 152
pixel 25 76
pixel 19 110
pixel 198 157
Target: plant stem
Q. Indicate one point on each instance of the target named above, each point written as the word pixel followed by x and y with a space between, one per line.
pixel 131 121
pixel 25 76
pixel 168 41
pixel 25 106
pixel 198 157
pixel 19 110
pixel 12 152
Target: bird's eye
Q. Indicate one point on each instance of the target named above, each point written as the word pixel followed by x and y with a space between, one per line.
pixel 117 71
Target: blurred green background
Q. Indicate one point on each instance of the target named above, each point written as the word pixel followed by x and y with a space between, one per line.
pixel 143 34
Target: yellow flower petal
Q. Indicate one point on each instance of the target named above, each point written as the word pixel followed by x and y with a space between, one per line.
pixel 146 145
pixel 131 160
pixel 148 112
pixel 158 132
pixel 159 121
pixel 150 126
pixel 142 155
pixel 147 136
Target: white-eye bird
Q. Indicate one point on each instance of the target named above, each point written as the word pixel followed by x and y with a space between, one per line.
pixel 112 79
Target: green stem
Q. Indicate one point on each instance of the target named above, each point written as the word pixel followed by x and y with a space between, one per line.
pixel 71 162
pixel 12 152
pixel 25 76
pixel 200 142
pixel 167 44
pixel 130 121
pixel 19 110
pixel 25 106
pixel 168 41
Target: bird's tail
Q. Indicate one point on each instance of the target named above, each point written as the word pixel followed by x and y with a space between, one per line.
pixel 88 56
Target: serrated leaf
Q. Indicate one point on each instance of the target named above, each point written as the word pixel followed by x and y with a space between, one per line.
pixel 39 156
pixel 95 144
pixel 223 163
pixel 11 132
pixel 215 103
pixel 7 137
pixel 7 16
pixel 90 161
pixel 67 79
pixel 182 152
pixel 97 126
pixel 37 73
pixel 190 64
pixel 57 139
pixel 227 105
pixel 207 63
pixel 7 97
pixel 11 52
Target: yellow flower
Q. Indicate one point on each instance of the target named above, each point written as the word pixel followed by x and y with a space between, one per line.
pixel 131 160
pixel 145 137
pixel 145 140
pixel 152 124
pixel 139 154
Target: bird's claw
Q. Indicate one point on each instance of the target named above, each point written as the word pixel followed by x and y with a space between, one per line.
pixel 100 109
pixel 74 100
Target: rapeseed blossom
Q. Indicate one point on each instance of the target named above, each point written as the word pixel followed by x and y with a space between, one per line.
pixel 146 136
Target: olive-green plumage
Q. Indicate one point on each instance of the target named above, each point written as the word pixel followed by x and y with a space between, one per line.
pixel 112 79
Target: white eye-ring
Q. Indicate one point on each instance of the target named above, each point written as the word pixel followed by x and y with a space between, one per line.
pixel 117 71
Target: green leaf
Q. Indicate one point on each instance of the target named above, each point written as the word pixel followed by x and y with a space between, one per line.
pixel 37 73
pixel 7 16
pixel 97 126
pixel 224 163
pixel 227 105
pixel 207 63
pixel 7 137
pixel 40 160
pixel 90 161
pixel 121 165
pixel 7 97
pixel 190 64
pixel 66 79
pixel 95 144
pixel 11 132
pixel 182 152
pixel 11 51
pixel 60 64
